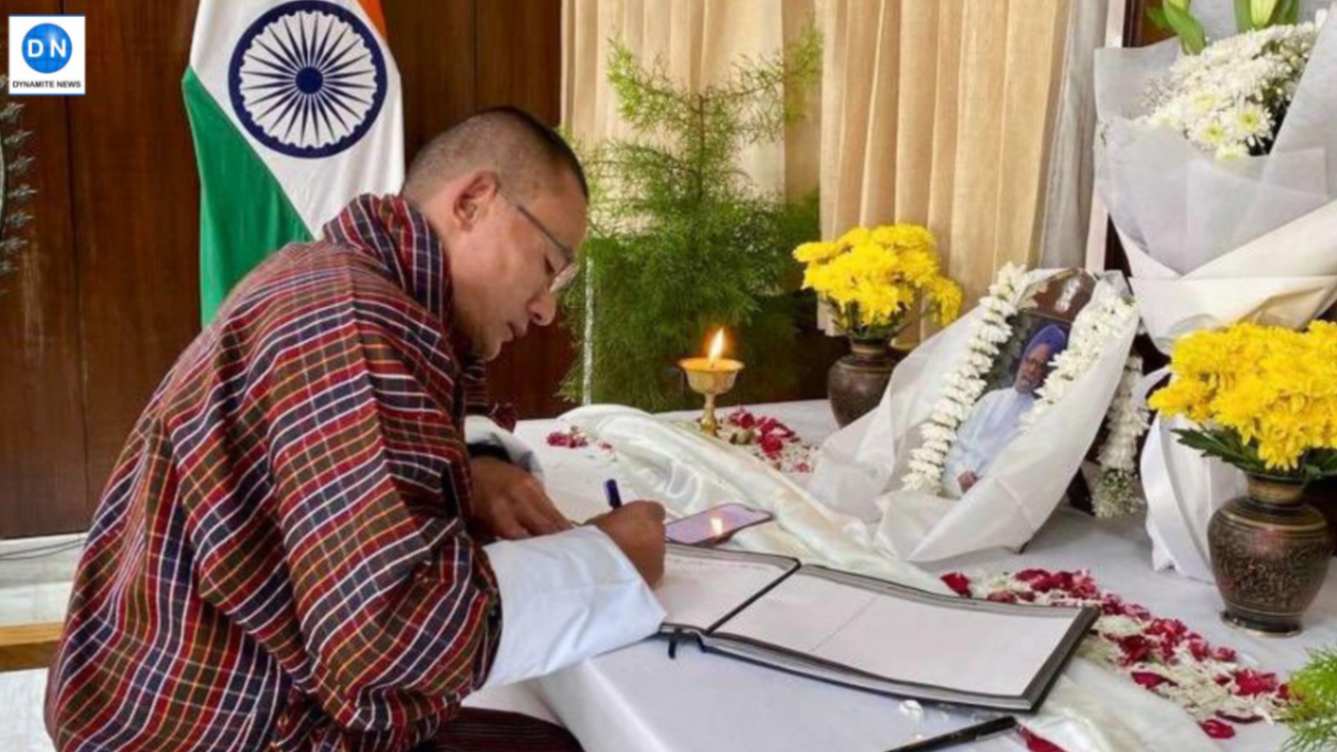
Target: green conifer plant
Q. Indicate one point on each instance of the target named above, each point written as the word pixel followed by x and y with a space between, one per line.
pixel 1313 716
pixel 681 240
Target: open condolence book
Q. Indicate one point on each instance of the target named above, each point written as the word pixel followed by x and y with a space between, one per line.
pixel 867 633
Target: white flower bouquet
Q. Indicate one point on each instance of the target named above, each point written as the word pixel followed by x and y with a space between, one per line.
pixel 1230 99
pixel 1216 156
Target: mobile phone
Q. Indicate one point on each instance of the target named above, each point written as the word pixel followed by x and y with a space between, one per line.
pixel 714 525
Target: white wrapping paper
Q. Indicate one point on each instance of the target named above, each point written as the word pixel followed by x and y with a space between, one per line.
pixel 1210 243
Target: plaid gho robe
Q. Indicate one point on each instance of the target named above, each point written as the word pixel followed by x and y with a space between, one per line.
pixel 280 558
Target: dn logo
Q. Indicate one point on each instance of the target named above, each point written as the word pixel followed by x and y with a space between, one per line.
pixel 47 48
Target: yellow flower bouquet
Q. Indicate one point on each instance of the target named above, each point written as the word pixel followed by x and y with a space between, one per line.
pixel 875 279
pixel 1264 398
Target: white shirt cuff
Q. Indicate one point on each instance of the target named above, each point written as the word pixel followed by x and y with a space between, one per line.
pixel 564 598
pixel 483 430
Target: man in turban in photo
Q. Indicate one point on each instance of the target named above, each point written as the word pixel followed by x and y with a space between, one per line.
pixel 996 417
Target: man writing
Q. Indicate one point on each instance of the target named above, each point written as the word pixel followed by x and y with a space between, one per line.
pixel 292 551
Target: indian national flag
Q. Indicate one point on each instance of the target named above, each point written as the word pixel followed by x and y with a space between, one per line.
pixel 295 108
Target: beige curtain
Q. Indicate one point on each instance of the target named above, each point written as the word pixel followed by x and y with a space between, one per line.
pixel 938 112
pixel 698 41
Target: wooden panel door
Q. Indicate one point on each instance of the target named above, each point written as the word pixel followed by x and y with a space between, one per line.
pixel 136 214
pixel 460 57
pixel 42 452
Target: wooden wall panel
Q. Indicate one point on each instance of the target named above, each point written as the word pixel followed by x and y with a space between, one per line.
pixel 464 57
pixel 136 213
pixel 520 63
pixel 433 45
pixel 457 58
pixel 42 478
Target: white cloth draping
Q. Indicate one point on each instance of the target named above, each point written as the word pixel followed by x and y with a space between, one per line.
pixel 636 698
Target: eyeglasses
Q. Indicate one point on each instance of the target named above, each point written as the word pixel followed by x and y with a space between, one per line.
pixel 562 277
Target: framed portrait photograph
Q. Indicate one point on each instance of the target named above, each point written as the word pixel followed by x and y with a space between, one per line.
pixel 1040 332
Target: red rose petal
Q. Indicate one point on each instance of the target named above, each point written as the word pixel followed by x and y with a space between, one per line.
pixel 1150 679
pixel 1002 596
pixel 1249 683
pixel 771 445
pixel 1172 630
pixel 1136 611
pixel 1083 586
pixel 1112 605
pixel 1166 650
pixel 1037 744
pixel 959 583
pixel 1216 729
pixel 559 439
pixel 1136 649
pixel 1200 650
pixel 1027 575
pixel 1284 692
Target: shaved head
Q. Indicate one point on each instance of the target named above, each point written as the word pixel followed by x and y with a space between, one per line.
pixel 508 200
pixel 526 155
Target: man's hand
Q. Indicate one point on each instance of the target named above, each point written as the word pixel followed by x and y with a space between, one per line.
pixel 638 529
pixel 966 480
pixel 510 503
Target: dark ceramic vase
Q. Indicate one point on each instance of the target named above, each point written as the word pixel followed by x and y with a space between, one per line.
pixel 856 382
pixel 1270 553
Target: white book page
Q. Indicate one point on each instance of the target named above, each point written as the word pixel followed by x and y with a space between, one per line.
pixel 698 592
pixel 902 639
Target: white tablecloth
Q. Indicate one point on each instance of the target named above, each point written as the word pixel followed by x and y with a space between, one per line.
pixel 638 699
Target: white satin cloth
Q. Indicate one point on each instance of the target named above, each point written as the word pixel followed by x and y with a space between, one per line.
pixel 638 699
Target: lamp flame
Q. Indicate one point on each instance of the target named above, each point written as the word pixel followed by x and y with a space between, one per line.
pixel 716 345
pixel 717 526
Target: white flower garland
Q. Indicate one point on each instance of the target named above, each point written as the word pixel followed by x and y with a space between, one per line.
pixel 1116 489
pixel 963 386
pixel 1091 331
pixel 1116 492
pixel 1204 682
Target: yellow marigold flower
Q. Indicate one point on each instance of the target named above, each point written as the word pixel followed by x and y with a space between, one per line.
pixel 873 278
pixel 816 252
pixel 918 267
pixel 1275 388
pixel 1184 396
pixel 946 296
pixel 854 236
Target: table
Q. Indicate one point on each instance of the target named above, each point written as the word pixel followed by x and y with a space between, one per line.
pixel 636 698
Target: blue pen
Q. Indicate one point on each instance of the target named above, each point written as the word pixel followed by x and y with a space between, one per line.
pixel 614 496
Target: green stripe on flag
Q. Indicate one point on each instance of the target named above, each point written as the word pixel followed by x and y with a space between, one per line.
pixel 244 213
